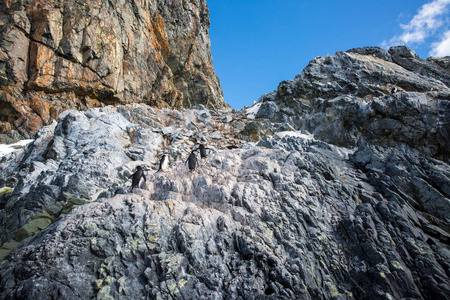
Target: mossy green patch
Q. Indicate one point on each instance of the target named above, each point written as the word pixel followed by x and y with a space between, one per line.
pixel 7 248
pixel 153 238
pixel 41 220
pixel 182 282
pixel 396 265
pixel 5 190
pixel 11 245
pixel 103 293
pixel 43 215
pixel 323 239
pixel 98 283
pixel 32 227
pixel 332 289
pixel 72 202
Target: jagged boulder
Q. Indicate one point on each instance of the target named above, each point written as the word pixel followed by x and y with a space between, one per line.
pixel 393 98
pixel 59 55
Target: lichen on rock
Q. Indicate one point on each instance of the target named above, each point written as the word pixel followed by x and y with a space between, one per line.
pixel 287 217
pixel 62 55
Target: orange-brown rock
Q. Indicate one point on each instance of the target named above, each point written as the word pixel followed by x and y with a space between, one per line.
pixel 62 54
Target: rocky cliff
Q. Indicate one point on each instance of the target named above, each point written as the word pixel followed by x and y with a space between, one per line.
pixel 273 212
pixel 393 98
pixel 58 55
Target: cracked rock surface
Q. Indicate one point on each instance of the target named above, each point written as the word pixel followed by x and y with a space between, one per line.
pixel 60 55
pixel 393 98
pixel 336 186
pixel 283 218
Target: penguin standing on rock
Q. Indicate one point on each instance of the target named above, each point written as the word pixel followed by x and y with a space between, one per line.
pixel 192 161
pixel 163 163
pixel 202 150
pixel 137 178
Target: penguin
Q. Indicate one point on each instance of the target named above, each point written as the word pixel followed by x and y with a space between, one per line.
pixel 202 150
pixel 394 90
pixel 137 178
pixel 192 161
pixel 163 163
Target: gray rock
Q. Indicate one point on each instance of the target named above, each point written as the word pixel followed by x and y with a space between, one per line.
pixel 397 173
pixel 267 110
pixel 433 68
pixel 202 115
pixel 392 98
pixel 227 119
pixel 215 135
pixel 167 130
pixel 374 51
pixel 291 218
pixel 286 218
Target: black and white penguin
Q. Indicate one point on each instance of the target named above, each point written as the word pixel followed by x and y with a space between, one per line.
pixel 202 150
pixel 192 161
pixel 163 163
pixel 137 178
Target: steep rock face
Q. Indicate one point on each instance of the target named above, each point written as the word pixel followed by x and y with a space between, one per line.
pixel 286 218
pixel 393 98
pixel 90 155
pixel 57 55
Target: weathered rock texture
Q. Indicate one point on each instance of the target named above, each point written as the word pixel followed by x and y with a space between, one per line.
pixel 56 55
pixel 90 155
pixel 289 218
pixel 359 211
pixel 393 98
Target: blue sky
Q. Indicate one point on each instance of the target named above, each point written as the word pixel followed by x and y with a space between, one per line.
pixel 255 44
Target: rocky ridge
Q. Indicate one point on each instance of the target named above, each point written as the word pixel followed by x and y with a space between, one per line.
pixel 393 98
pixel 60 55
pixel 333 187
pixel 280 217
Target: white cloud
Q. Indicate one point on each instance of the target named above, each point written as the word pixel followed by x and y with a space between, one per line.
pixel 441 48
pixel 425 23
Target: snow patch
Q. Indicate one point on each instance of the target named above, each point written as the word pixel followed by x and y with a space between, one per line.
pixel 345 152
pixel 282 134
pixel 7 149
pixel 253 110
